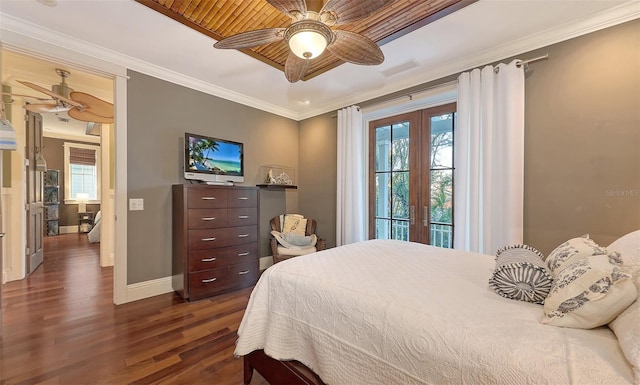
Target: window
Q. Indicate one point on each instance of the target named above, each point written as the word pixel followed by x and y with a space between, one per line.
pixel 82 171
pixel 411 176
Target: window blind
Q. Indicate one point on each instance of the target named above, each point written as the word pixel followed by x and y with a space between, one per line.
pixel 84 156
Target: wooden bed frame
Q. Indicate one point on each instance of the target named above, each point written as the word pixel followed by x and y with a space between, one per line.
pixel 278 372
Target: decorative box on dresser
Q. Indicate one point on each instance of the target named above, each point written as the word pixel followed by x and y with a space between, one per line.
pixel 215 239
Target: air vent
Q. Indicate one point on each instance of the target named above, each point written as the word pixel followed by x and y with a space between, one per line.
pixel 400 68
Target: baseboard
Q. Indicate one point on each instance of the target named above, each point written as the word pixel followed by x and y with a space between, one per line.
pixel 146 289
pixel 67 229
pixel 265 262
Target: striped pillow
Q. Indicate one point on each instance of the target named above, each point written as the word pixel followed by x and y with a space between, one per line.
pixel 521 274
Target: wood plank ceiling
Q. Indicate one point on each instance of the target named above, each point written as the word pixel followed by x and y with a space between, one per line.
pixel 223 18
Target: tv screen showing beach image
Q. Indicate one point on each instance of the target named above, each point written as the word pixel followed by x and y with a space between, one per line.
pixel 214 156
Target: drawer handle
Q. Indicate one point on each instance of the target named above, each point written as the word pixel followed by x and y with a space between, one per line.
pixel 243 272
pixel 208 259
pixel 209 218
pixel 243 235
pixel 243 254
pixel 209 280
pixel 208 198
pixel 243 198
pixel 209 239
pixel 243 216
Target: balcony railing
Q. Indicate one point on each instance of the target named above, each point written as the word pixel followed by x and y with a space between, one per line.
pixel 441 235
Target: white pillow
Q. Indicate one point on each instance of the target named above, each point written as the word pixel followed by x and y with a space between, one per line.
pixel 627 325
pixel 588 293
pixel 281 240
pixel 571 251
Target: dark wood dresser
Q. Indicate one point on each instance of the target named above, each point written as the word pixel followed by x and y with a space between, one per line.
pixel 215 239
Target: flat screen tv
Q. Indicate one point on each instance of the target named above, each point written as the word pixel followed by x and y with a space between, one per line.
pixel 213 160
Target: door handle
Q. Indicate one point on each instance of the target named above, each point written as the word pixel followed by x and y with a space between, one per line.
pixel 425 217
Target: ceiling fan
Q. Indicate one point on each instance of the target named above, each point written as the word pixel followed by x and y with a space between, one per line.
pixel 78 105
pixel 310 33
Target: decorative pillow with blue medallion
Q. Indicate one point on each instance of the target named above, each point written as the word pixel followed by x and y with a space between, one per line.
pixel 521 274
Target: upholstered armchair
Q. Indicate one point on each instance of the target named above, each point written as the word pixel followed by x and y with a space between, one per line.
pixel 293 235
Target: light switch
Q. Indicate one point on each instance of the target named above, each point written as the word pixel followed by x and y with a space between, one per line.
pixel 136 204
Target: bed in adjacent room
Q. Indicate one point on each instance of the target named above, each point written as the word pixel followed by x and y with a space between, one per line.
pixel 393 312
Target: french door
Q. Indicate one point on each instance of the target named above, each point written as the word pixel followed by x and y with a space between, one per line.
pixel 411 176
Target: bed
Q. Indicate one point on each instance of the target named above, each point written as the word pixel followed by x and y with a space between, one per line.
pixel 394 312
pixel 94 234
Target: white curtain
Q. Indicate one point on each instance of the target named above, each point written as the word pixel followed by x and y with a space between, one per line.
pixel 351 198
pixel 489 159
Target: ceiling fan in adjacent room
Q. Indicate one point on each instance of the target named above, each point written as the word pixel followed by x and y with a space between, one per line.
pixel 310 33
pixel 78 105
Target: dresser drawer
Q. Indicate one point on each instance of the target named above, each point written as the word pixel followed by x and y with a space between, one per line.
pixel 223 256
pixel 223 237
pixel 206 218
pixel 215 281
pixel 242 198
pixel 242 216
pixel 206 198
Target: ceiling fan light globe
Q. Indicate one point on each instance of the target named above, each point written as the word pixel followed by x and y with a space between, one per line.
pixel 307 44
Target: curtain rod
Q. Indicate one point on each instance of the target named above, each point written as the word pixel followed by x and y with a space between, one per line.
pixel 535 59
pixel 410 95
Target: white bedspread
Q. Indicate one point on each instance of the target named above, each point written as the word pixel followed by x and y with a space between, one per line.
pixel 392 312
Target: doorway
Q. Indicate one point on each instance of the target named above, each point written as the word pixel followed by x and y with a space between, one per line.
pixel 56 127
pixel 411 176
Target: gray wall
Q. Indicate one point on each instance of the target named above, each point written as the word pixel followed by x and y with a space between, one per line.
pixel 582 142
pixel 318 178
pixel 159 113
pixel 582 156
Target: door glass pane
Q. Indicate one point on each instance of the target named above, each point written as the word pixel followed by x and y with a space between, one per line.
pixel 383 148
pixel 383 195
pixel 400 197
pixel 441 196
pixel 400 230
pixel 383 228
pixel 400 149
pixel 441 235
pixel 442 141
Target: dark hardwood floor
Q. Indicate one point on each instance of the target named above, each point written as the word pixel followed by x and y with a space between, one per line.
pixel 60 327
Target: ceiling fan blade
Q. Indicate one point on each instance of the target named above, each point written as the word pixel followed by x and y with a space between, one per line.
pixel 27 96
pixel 93 105
pixel 86 116
pixel 345 11
pixel 50 93
pixel 291 8
pixel 295 67
pixel 355 48
pixel 45 108
pixel 251 38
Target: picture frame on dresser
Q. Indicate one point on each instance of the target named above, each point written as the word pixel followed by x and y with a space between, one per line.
pixel 214 239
